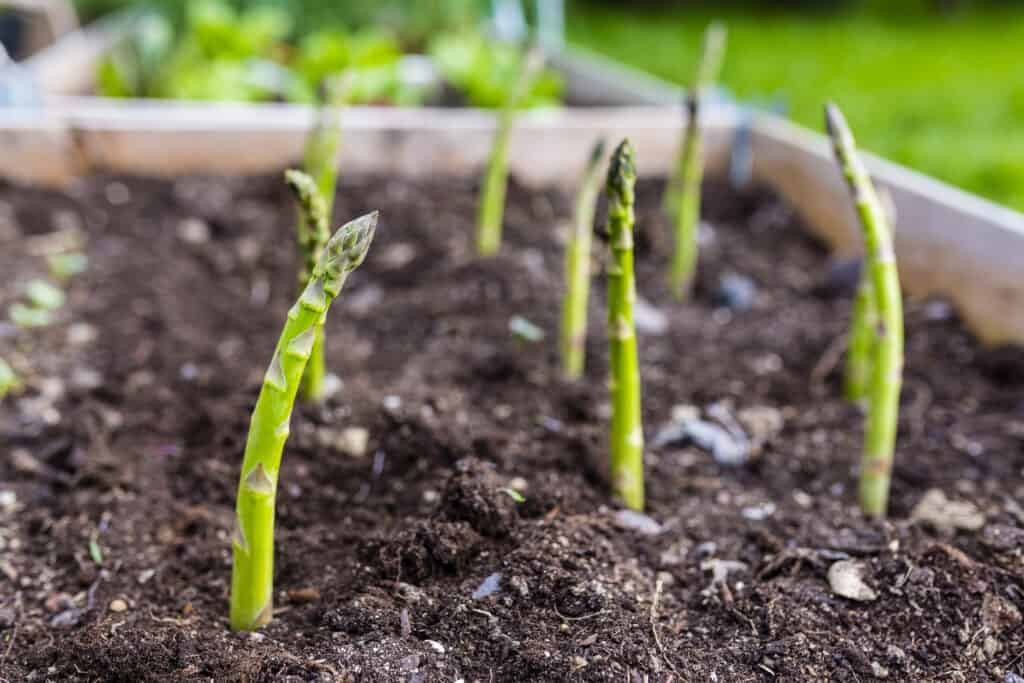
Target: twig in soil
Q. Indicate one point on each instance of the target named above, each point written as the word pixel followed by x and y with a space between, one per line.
pixel 577 269
pixel 658 586
pixel 492 197
pixel 887 345
pixel 682 195
pixel 14 635
pixel 627 434
pixel 828 361
pixel 584 617
pixel 253 539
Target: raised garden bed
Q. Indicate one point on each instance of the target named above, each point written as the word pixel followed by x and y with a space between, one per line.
pixel 129 440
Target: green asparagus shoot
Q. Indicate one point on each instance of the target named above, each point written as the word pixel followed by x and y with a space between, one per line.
pixel 861 340
pixel 687 204
pixel 577 268
pixel 44 295
pixel 708 69
pixel 9 381
pixel 492 198
pixel 627 436
pixel 253 539
pixel 313 233
pixel 886 362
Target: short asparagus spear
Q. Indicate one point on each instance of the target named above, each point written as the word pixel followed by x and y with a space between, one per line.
pixel 313 234
pixel 577 268
pixel 627 436
pixel 492 198
pixel 682 197
pixel 887 355
pixel 253 539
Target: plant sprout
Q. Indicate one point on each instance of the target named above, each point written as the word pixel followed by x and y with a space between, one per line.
pixel 886 362
pixel 315 192
pixel 682 196
pixel 492 197
pixel 9 381
pixel 253 540
pixel 577 268
pixel 627 436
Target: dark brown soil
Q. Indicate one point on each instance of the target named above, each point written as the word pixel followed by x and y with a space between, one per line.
pixel 380 554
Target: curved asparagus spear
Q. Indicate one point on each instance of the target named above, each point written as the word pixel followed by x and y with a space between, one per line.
pixel 887 355
pixel 253 539
pixel 627 436
pixel 313 234
pixel 864 320
pixel 492 197
pixel 577 268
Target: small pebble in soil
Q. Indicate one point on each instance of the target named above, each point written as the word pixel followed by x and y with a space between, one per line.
pixel 80 334
pixel 727 444
pixel 392 403
pixel 1013 678
pixel 118 605
pixel 735 291
pixel 846 579
pixel 488 586
pixel 194 231
pixel 649 319
pixel 436 646
pixel 637 521
pixel 758 513
pixel 942 514
pixel 523 329
pixel 353 441
pixel 117 193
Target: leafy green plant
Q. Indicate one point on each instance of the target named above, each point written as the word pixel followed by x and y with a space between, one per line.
pixel 886 360
pixel 492 196
pixel 487 73
pixel 682 195
pixel 627 435
pixel 253 539
pixel 577 268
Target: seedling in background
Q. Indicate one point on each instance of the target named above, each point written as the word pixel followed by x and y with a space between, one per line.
pixel 886 348
pixel 682 195
pixel 627 435
pixel 9 381
pixel 64 266
pixel 492 197
pixel 253 539
pixel 43 295
pixel 577 269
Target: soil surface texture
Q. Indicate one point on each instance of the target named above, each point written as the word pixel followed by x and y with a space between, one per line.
pixel 445 514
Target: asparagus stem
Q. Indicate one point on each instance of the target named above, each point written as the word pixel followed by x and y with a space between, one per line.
pixel 708 69
pixel 627 437
pixel 253 539
pixel 887 354
pixel 691 172
pixel 577 268
pixel 859 350
pixel 313 234
pixel 492 199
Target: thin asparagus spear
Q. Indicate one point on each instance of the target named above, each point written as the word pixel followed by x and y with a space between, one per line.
pixel 492 199
pixel 253 540
pixel 313 234
pixel 627 436
pixel 320 163
pixel 577 268
pixel 887 356
pixel 708 69
pixel 691 171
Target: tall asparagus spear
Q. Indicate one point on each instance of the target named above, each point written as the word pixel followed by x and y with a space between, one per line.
pixel 682 196
pixel 253 540
pixel 320 163
pixel 492 198
pixel 859 350
pixel 577 268
pixel 313 234
pixel 887 354
pixel 627 435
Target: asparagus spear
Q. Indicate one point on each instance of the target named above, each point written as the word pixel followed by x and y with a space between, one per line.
pixel 627 437
pixel 492 199
pixel 253 540
pixel 887 349
pixel 320 163
pixel 708 68
pixel 577 268
pixel 682 196
pixel 857 376
pixel 313 234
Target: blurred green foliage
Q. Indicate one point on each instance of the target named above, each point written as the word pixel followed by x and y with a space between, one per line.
pixel 940 91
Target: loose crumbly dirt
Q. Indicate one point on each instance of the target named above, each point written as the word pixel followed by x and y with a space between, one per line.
pixel 122 456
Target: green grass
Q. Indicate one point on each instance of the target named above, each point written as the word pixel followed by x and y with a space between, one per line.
pixel 944 95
